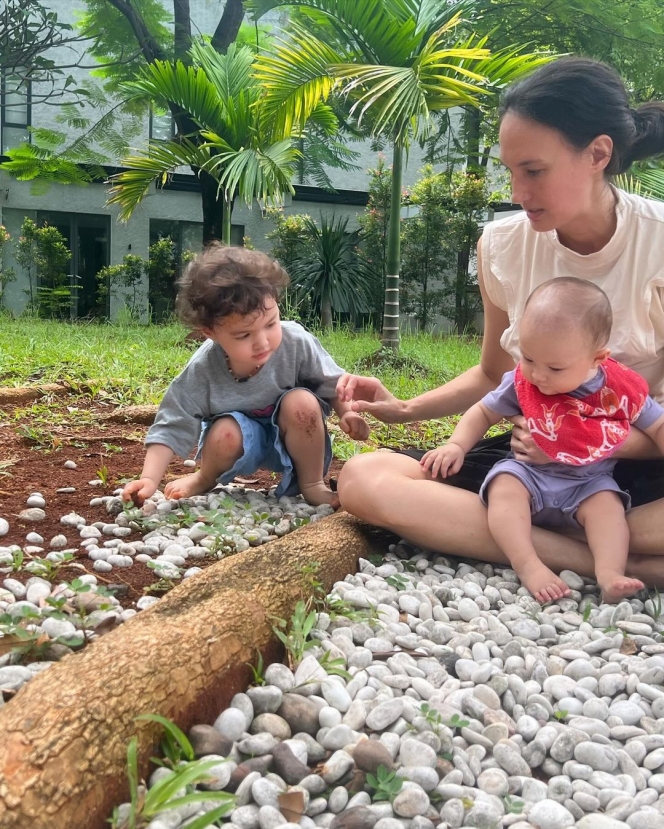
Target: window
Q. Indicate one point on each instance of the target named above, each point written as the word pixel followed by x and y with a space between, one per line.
pixel 16 111
pixel 162 125
pixel 187 236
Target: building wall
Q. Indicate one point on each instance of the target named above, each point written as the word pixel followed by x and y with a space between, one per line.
pixel 17 199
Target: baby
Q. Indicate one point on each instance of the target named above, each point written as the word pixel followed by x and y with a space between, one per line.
pixel 579 405
pixel 255 394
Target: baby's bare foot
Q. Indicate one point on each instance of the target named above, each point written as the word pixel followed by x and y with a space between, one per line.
pixel 317 494
pixel 188 485
pixel 616 586
pixel 543 583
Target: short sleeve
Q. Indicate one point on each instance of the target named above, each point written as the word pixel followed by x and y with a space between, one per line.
pixel 493 287
pixel 318 371
pixel 650 412
pixel 503 400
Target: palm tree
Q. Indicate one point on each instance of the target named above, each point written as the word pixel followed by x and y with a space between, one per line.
pixel 332 272
pixel 397 62
pixel 249 155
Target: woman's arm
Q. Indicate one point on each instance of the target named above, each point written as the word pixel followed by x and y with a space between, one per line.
pixel 369 395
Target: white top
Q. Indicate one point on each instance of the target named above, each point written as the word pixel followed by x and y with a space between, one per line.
pixel 630 269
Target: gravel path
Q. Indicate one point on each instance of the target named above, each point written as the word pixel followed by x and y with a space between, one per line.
pixel 471 703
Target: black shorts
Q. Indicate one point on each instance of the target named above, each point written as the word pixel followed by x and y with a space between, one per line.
pixel 644 480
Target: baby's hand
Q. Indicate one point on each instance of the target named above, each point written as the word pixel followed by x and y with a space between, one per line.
pixel 354 426
pixel 139 491
pixel 444 461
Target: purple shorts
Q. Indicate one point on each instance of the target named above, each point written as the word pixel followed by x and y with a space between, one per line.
pixel 556 490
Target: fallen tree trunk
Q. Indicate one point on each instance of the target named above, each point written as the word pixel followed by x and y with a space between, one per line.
pixel 63 738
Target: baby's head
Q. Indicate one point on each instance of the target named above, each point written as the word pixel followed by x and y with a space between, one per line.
pixel 563 334
pixel 223 282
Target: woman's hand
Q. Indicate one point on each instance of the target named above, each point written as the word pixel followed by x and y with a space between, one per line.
pixel 368 394
pixel 523 445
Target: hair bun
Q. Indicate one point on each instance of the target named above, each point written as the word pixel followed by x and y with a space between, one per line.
pixel 649 124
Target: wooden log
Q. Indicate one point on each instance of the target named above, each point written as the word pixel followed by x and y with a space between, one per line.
pixel 10 396
pixel 63 737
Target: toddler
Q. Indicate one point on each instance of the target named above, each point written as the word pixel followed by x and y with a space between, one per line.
pixel 579 405
pixel 255 394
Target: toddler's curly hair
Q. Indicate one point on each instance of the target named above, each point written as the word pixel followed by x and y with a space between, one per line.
pixel 225 280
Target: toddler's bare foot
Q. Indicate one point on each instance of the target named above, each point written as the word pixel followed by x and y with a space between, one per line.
pixel 188 485
pixel 616 586
pixel 543 583
pixel 317 494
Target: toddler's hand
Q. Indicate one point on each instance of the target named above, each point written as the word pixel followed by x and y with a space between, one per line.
pixel 444 461
pixel 354 426
pixel 139 491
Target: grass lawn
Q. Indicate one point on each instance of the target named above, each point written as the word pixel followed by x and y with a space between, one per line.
pixel 134 365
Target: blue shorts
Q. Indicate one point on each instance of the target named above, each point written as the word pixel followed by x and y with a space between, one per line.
pixel 555 490
pixel 264 449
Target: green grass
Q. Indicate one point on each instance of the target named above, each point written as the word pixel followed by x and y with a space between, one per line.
pixel 132 364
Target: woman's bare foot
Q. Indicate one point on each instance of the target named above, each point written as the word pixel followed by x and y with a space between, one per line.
pixel 317 494
pixel 188 485
pixel 616 586
pixel 543 583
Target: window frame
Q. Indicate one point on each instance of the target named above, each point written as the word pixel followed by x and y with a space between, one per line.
pixel 4 107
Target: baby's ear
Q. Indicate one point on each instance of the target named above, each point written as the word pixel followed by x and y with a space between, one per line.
pixel 601 355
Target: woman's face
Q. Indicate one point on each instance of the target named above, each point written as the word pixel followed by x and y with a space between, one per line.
pixel 555 183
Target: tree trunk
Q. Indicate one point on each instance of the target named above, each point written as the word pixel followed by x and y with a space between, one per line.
pixel 326 314
pixel 213 208
pixel 472 128
pixel 391 335
pixel 63 738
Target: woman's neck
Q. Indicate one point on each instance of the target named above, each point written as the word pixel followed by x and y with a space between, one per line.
pixel 593 231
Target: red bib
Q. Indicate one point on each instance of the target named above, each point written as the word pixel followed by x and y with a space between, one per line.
pixel 581 431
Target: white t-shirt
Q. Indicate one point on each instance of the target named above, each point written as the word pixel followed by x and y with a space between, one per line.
pixel 630 269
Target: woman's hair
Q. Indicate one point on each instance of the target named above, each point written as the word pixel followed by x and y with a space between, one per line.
pixel 568 302
pixel 224 280
pixel 583 98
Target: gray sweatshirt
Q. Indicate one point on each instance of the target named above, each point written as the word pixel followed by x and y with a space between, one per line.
pixel 205 387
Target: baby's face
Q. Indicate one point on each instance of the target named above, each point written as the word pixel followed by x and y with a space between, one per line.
pixel 558 363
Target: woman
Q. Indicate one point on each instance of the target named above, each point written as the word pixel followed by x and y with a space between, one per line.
pixel 564 132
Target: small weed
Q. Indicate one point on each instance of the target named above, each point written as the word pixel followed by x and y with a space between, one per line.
pixel 653 605
pixel 104 475
pixel 385 784
pixel 295 638
pixel 6 465
pixel 20 634
pixel 167 794
pixel 48 569
pixel 432 716
pixel 587 610
pixel 334 667
pixel 398 581
pixel 175 746
pixel 455 721
pixel 163 583
pixel 561 715
pixel 111 448
pixel 512 805
pixel 41 438
pixel 257 670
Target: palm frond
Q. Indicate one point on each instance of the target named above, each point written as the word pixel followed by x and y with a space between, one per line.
pixel 130 187
pixel 378 33
pixel 295 80
pixel 255 174
pixel 648 183
pixel 187 87
pixel 230 73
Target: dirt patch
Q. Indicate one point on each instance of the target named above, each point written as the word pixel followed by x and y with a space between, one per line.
pixel 34 452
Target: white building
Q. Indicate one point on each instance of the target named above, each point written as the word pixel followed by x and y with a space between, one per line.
pixel 93 232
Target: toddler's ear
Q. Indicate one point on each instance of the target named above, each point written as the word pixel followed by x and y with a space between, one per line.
pixel 601 355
